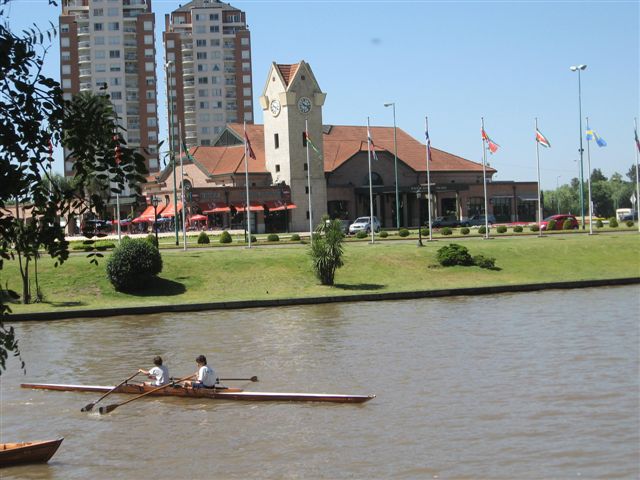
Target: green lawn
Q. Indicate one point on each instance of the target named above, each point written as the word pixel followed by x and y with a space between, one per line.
pixel 227 274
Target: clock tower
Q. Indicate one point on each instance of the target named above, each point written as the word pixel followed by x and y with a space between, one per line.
pixel 290 98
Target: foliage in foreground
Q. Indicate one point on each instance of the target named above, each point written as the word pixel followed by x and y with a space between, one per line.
pixel 133 264
pixel 454 254
pixel 327 249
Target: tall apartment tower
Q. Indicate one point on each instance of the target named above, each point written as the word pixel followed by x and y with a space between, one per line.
pixel 208 54
pixel 112 42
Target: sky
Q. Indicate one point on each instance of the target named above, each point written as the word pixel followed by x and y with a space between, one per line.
pixel 453 61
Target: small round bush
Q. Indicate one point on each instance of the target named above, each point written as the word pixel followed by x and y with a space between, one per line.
pixel 613 222
pixel 273 238
pixel 484 262
pixel 629 223
pixel 567 225
pixel 125 238
pixel 453 254
pixel 384 234
pixel 446 231
pixel 464 231
pixel 151 238
pixel 517 229
pixel 203 238
pixel 254 239
pixel 133 264
pixel 361 234
pixel 551 225
pixel 482 230
pixel 403 232
pixel 501 229
pixel 424 231
pixel 535 227
pixel 295 237
pixel 225 237
pixel 599 224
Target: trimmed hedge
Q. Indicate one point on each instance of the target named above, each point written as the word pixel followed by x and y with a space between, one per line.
pixel 482 230
pixel 501 229
pixel 361 234
pixel 535 228
pixel 272 237
pixel 384 234
pixel 424 231
pixel 599 224
pixel 517 229
pixel 453 254
pixel 203 238
pixel 133 264
pixel 225 237
pixel 629 223
pixel 567 225
pixel 613 222
pixel 295 237
pixel 446 231
pixel 465 230
pixel 151 238
pixel 403 232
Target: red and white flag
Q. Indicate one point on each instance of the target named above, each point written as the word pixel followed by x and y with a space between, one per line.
pixel 250 151
pixel 542 140
pixel 493 146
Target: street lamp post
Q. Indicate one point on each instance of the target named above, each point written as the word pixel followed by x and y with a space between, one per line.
pixel 578 69
pixel 395 161
pixel 558 192
pixel 154 202
pixel 172 150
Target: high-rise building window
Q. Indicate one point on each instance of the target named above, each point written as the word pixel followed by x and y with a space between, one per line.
pixel 114 40
pixel 101 67
pixel 247 103
pixel 246 79
pixel 149 66
pixel 201 42
pixel 64 28
pixel 98 12
pixel 66 83
pixel 114 53
pixel 201 29
pixel 203 80
pixel 151 107
pixel 65 56
pixel 202 67
pixel 203 93
pixel 245 54
pixel 97 40
pixel 214 29
pixel 171 44
pixel 116 95
pixel 97 27
pixel 214 17
pixel 148 25
pixel 214 42
pixel 113 26
pixel 114 67
pixel 201 55
pixel 100 54
pixel 148 39
pixel 64 41
pixel 246 91
pixel 248 116
pixel 204 105
pixel 244 41
pixel 148 52
pixel 113 11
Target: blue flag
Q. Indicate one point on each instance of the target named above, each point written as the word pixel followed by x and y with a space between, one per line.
pixel 592 135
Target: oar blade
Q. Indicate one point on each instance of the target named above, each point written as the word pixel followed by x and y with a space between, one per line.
pixel 108 408
pixel 254 379
pixel 88 407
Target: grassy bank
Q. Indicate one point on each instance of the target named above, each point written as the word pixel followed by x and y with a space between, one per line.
pixel 213 275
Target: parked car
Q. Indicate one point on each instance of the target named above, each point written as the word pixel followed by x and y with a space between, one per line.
pixel 95 226
pixel 364 223
pixel 440 222
pixel 630 216
pixel 560 219
pixel 478 221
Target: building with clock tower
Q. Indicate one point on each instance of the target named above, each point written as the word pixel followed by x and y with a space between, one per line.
pixel 290 100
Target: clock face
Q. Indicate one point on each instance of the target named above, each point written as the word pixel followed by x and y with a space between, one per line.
pixel 275 107
pixel 304 105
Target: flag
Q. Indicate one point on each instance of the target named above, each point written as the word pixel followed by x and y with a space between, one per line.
pixel 592 135
pixel 637 141
pixel 311 144
pixel 186 152
pixel 372 146
pixel 426 133
pixel 248 146
pixel 542 140
pixel 493 146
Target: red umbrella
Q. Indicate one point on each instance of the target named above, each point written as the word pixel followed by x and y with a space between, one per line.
pixel 197 218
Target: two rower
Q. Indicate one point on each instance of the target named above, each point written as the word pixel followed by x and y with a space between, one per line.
pixel 205 376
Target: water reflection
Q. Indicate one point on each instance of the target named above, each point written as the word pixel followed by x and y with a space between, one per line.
pixel 538 385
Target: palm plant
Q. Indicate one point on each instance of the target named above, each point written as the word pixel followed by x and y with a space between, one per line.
pixel 326 249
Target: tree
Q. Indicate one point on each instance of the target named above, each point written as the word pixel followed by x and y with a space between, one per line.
pixel 597 176
pixel 326 249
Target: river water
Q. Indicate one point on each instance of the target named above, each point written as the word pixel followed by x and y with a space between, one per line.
pixel 511 386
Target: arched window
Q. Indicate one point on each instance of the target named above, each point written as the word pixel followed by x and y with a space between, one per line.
pixel 376 179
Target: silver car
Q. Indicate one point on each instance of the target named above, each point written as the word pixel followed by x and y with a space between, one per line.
pixel 364 224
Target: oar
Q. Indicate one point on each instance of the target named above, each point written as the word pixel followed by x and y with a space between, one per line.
pixel 252 379
pixel 113 406
pixel 88 407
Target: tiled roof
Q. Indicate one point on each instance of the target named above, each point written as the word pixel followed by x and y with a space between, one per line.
pixel 340 144
pixel 288 72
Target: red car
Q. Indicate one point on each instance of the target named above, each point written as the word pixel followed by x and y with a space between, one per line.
pixel 559 219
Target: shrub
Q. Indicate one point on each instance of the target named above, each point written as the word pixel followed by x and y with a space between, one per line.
pixel 384 234
pixel 446 231
pixel 484 262
pixel 93 245
pixel 403 232
pixel 254 239
pixel 535 227
pixel 361 234
pixel 295 237
pixel 613 222
pixel 551 225
pixel 599 224
pixel 225 237
pixel 629 223
pixel 151 238
pixel 133 264
pixel 203 238
pixel 273 238
pixel 482 230
pixel 517 229
pixel 453 254
pixel 326 249
pixel 567 225
pixel 125 238
pixel 501 229
pixel 424 231
pixel 464 231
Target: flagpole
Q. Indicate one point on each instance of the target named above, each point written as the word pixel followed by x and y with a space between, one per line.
pixel 246 183
pixel 589 182
pixel 370 184
pixel 426 126
pixel 306 143
pixel 637 149
pixel 484 182
pixel 184 223
pixel 538 169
